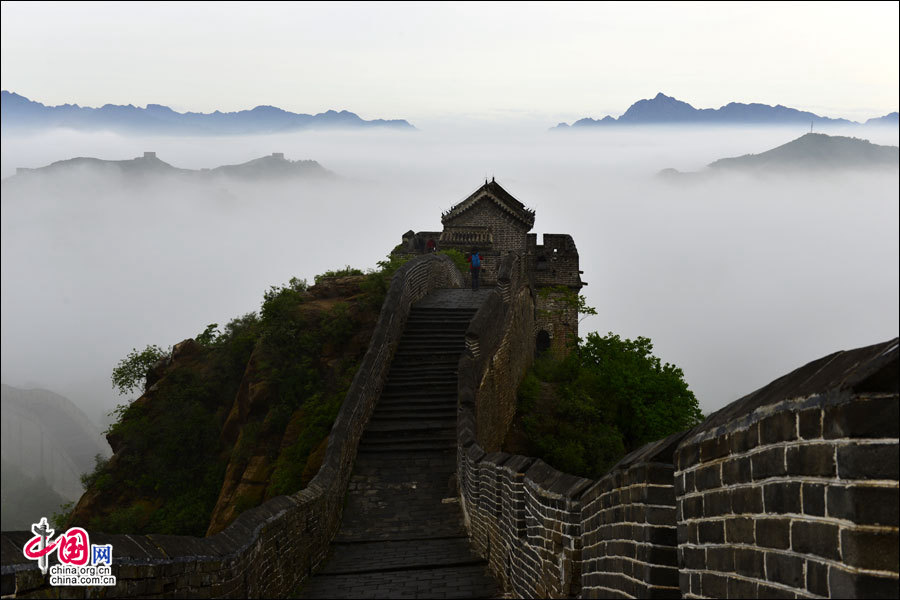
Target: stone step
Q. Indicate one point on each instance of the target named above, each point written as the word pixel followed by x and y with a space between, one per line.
pixel 424 389
pixel 455 316
pixel 412 378
pixel 407 444
pixel 429 339
pixel 407 450
pixel 414 413
pixel 415 407
pixel 401 428
pixel 424 307
pixel 439 320
pixel 410 357
pixel 436 327
pixel 433 336
pixel 417 360
pixel 405 432
pixel 446 383
pixel 447 386
pixel 420 370
pixel 418 309
pixel 425 349
pixel 397 384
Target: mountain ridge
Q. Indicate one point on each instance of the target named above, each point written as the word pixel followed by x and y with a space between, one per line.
pixel 663 110
pixel 810 153
pixel 21 113
pixel 274 165
pixel 816 151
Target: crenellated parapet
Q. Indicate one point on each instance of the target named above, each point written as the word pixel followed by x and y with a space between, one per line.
pixel 791 491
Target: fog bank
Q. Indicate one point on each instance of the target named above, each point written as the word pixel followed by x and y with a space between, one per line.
pixel 737 280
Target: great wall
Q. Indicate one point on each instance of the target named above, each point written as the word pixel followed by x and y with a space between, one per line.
pixel 790 491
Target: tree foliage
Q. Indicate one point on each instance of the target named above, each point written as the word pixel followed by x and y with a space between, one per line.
pixel 171 459
pixel 458 258
pixel 606 398
pixel 131 372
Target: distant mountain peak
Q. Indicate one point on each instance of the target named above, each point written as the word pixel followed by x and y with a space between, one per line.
pixel 817 151
pixel 665 110
pixel 811 152
pixel 20 113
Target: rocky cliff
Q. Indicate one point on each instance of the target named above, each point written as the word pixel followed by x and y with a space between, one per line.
pixel 231 419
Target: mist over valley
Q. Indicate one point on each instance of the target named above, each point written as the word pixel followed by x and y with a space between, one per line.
pixel 735 279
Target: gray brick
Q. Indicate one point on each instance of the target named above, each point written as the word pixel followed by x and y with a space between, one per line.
pixel 869 461
pixel 814 537
pixel 870 549
pixel 816 460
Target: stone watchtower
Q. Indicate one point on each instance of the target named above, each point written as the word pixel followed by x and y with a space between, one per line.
pixel 495 223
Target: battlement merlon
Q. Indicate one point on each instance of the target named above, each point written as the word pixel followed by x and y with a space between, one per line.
pixel 555 262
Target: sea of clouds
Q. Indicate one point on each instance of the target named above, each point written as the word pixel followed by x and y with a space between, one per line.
pixel 736 279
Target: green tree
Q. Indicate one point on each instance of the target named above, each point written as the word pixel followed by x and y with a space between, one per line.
pixel 458 258
pixel 131 372
pixel 584 412
pixel 210 335
pixel 650 399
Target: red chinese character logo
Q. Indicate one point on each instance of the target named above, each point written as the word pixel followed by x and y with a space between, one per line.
pixel 72 547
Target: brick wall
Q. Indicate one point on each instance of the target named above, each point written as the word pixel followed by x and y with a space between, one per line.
pixel 629 527
pixel 554 263
pixel 511 358
pixel 791 491
pixel 508 233
pixel 558 319
pixel 268 550
pixel 524 517
pixel 794 488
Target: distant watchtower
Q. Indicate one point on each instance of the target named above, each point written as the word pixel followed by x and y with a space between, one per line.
pixel 495 223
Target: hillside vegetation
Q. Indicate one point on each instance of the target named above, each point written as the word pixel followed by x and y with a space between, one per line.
pixel 233 417
pixel 609 396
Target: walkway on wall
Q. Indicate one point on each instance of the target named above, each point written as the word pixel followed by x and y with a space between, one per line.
pixel 402 534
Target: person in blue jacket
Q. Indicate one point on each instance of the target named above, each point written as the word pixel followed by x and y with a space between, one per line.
pixel 474 266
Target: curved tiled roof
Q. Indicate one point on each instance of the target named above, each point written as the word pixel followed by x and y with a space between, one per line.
pixel 500 197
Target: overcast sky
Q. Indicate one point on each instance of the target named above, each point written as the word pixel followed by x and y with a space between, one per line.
pixel 430 63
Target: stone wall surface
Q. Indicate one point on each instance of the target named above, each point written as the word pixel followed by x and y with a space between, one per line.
pixel 268 550
pixel 524 517
pixel 629 527
pixel 554 264
pixel 791 491
pixel 508 232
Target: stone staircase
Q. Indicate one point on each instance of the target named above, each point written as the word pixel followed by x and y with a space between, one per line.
pixel 402 534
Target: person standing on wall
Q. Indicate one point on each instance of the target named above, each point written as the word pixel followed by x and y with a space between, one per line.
pixel 475 267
